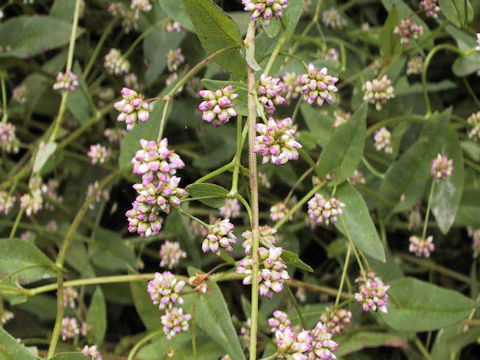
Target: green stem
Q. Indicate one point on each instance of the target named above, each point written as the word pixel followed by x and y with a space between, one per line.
pixel 297 206
pixel 100 43
pixel 140 38
pixel 193 218
pixel 168 98
pixel 61 259
pixel 297 308
pixel 426 64
pixel 422 348
pixel 427 214
pixel 372 169
pixel 252 158
pixel 344 273
pixel 4 97
pixel 215 173
pixel 15 224
pixel 274 54
pixel 238 157
pixel 71 48
pixel 394 120
pixel 146 339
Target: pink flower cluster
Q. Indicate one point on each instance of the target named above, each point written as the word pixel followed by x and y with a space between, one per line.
pixel 98 153
pixel 383 140
pixel 291 86
pixel 158 190
pixel 473 122
pixel 218 105
pixel 7 202
pixel 142 5
pixel 372 293
pixel 92 352
pixel 314 344
pixel 8 141
pixel 133 108
pixel 267 238
pixel 164 290
pixel 220 235
pixel 317 86
pixel 408 30
pixel 67 81
pixel 265 9
pixel 272 270
pixel 276 141
pixel 170 254
pixel 115 63
pixel 378 91
pixel 430 7
pixel 421 247
pixel 270 93
pixel 442 167
pixel 336 319
pixel 322 210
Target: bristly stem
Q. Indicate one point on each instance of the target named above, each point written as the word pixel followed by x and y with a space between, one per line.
pixel 252 159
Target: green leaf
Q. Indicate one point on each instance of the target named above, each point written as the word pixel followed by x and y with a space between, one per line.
pixel 217 31
pixel 403 11
pixel 147 130
pixel 97 318
pixel 467 65
pixel 147 311
pixel 11 349
pixel 345 148
pixel 223 137
pixel 110 252
pixel 175 9
pixel 154 48
pixel 63 9
pixel 389 43
pixel 458 12
pixel 292 15
pixel 272 29
pixel 320 125
pixel 351 343
pixel 469 209
pixel 45 150
pixel 405 180
pixel 447 193
pixel 70 356
pixel 420 306
pixel 26 260
pixel 291 258
pixel 357 224
pixel 213 317
pixel 206 189
pixel 451 340
pixel 27 36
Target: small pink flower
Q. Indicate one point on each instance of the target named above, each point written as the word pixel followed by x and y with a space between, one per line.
pixel 98 153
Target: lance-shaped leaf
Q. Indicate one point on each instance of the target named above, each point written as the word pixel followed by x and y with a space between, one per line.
pixel 213 317
pixel 357 224
pixel 11 349
pixel 447 193
pixel 97 318
pixel 405 180
pixel 24 262
pixel 345 148
pixel 216 30
pixel 210 194
pixel 27 36
pixel 420 306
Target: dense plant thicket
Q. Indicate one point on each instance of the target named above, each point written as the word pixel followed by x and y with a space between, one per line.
pixel 306 179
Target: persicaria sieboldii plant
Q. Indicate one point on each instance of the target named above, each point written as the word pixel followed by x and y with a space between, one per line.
pixel 255 179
